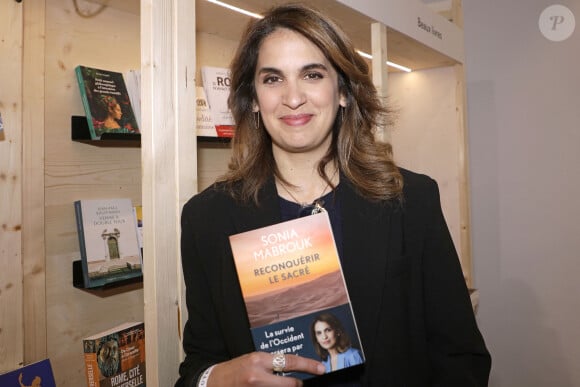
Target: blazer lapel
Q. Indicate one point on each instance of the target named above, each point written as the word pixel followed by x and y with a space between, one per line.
pixel 249 216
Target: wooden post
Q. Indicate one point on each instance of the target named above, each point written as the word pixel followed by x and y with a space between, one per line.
pixel 379 68
pixel 11 172
pixel 463 159
pixel 33 220
pixel 168 171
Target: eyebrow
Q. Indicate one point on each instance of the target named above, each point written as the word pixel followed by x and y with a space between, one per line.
pixel 308 67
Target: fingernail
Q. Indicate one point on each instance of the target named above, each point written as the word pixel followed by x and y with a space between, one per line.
pixel 321 369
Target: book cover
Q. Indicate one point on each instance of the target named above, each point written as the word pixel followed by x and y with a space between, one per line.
pixel 216 84
pixel 138 212
pixel 133 83
pixel 106 102
pixel 204 125
pixel 32 375
pixel 116 357
pixel 295 294
pixel 108 241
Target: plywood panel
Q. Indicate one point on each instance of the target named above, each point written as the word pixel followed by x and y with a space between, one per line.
pixel 11 288
pixel 75 170
pixel 427 136
pixel 33 246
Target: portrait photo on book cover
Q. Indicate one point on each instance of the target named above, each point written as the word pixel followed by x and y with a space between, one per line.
pixel 337 346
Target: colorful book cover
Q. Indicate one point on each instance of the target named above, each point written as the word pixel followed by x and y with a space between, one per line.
pixel 32 375
pixel 204 125
pixel 108 241
pixel 116 357
pixel 138 212
pixel 216 84
pixel 106 102
pixel 295 294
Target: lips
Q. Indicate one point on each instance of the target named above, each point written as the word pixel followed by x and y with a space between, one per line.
pixel 296 119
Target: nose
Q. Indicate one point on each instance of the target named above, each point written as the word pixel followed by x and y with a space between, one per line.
pixel 294 96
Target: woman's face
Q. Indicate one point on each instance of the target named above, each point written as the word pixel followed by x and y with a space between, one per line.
pixel 115 111
pixel 325 335
pixel 297 93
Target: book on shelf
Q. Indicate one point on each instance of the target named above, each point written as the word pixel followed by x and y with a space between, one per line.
pixel 108 241
pixel 138 211
pixel 106 102
pixel 116 357
pixel 295 293
pixel 216 84
pixel 133 83
pixel 204 125
pixel 34 374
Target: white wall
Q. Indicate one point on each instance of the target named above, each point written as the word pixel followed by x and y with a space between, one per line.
pixel 524 127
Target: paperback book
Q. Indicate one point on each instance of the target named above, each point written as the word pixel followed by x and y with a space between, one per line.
pixel 204 125
pixel 116 357
pixel 216 84
pixel 106 102
pixel 295 294
pixel 34 374
pixel 108 241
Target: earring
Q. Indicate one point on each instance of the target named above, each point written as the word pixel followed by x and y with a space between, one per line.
pixel 256 116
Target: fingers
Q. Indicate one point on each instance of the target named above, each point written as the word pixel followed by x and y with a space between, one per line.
pixel 303 364
pixel 257 369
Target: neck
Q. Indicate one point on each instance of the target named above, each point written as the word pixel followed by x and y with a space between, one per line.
pixel 305 188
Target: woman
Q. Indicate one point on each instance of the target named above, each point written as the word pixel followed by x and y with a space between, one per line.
pixel 305 112
pixel 332 343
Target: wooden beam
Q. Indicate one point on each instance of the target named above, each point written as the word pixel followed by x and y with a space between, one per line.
pixel 11 173
pixel 168 160
pixel 379 68
pixel 33 243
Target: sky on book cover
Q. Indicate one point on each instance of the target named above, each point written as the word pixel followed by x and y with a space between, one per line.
pixel 308 253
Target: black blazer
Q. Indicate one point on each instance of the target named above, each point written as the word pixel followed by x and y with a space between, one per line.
pixel 405 282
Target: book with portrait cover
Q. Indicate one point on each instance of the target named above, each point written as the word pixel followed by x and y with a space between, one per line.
pixel 34 374
pixel 116 357
pixel 106 102
pixel 216 85
pixel 108 241
pixel 295 293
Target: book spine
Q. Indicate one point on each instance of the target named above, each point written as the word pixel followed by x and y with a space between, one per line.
pixel 82 245
pixel 85 100
pixel 92 370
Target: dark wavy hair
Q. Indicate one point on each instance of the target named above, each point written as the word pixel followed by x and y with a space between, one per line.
pixel 367 163
pixel 342 338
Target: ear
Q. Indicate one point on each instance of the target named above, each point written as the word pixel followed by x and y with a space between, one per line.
pixel 342 100
pixel 255 107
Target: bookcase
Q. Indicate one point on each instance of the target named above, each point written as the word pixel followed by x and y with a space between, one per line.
pixel 162 39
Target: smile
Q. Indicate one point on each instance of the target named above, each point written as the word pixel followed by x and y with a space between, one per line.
pixel 296 119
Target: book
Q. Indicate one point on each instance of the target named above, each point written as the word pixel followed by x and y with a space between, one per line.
pixel 106 102
pixel 204 125
pixel 133 83
pixel 108 241
pixel 295 293
pixel 31 375
pixel 138 212
pixel 216 84
pixel 116 357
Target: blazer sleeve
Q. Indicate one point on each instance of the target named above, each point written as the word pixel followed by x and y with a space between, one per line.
pixel 456 347
pixel 203 342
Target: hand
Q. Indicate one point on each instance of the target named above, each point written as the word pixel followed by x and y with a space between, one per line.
pixel 255 369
